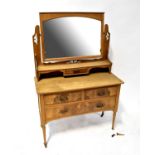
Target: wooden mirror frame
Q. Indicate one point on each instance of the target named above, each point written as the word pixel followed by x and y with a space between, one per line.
pixel 44 16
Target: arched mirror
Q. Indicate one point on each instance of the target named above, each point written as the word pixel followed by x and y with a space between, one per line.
pixel 71 38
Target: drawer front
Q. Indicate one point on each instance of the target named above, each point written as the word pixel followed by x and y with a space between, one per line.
pixel 100 92
pixel 106 103
pixel 64 110
pixel 63 97
pixel 76 71
pixel 60 111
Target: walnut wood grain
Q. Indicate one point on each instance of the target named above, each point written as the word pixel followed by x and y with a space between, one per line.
pixel 100 92
pixel 60 98
pixel 65 110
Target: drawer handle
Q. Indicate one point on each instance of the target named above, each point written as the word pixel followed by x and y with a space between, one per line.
pixel 64 111
pixel 63 98
pixel 100 105
pixel 102 92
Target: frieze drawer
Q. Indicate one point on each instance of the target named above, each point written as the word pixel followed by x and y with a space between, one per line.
pixel 100 92
pixel 63 97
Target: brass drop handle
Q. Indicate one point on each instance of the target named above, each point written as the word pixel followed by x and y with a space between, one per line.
pixel 100 105
pixel 65 110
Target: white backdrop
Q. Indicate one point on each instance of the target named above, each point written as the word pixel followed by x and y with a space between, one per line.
pixel 88 134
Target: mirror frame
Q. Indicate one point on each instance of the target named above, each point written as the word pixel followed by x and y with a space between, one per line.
pixel 45 16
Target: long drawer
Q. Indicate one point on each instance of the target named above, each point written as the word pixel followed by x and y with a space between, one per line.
pixel 64 110
pixel 81 95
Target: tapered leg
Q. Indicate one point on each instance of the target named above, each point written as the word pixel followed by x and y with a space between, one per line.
pixel 44 135
pixel 113 119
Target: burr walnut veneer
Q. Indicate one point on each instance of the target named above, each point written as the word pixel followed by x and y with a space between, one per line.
pixel 67 89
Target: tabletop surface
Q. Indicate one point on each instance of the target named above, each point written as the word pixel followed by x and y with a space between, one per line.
pixel 62 84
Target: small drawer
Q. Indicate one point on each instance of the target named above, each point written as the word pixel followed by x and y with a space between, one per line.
pixel 76 71
pixel 100 92
pixel 63 97
pixel 75 96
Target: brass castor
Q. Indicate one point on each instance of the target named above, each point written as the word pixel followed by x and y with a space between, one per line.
pixel 102 114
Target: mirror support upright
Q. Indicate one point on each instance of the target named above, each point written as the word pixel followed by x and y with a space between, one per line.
pixel 36 48
pixel 106 40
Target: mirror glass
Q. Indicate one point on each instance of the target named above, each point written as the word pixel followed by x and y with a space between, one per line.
pixel 71 37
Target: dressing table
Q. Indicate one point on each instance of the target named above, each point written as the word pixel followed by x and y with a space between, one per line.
pixel 73 72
